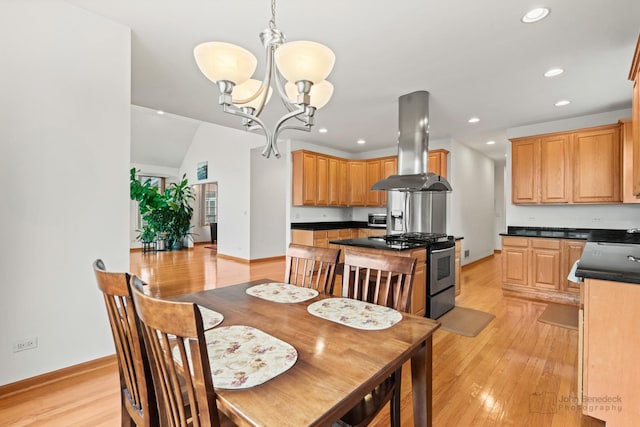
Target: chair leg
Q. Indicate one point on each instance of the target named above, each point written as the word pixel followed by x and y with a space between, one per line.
pixel 127 421
pixel 395 399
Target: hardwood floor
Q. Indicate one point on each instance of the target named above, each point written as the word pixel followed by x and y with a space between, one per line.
pixel 517 371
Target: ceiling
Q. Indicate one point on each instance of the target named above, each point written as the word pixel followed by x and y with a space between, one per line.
pixel 476 58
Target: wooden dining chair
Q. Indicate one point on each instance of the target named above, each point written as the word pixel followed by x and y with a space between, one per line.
pixel 311 267
pixel 384 280
pixel 177 350
pixel 138 402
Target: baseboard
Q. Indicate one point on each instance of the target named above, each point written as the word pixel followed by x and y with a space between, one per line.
pixel 273 258
pixel 497 251
pixel 58 375
pixel 478 261
pixel 250 261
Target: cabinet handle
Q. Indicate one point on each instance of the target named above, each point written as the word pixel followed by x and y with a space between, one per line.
pixel 632 258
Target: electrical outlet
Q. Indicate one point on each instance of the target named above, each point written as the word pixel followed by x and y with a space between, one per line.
pixel 25 344
pixel 466 253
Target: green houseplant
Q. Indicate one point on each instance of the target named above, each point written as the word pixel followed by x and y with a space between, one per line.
pixel 167 215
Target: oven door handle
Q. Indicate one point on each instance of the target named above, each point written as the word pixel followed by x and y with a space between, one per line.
pixel 437 251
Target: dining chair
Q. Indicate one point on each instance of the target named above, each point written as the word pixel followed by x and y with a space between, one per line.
pixel 311 267
pixel 384 280
pixel 177 350
pixel 138 402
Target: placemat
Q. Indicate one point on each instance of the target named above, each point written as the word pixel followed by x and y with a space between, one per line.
pixel 243 356
pixel 210 318
pixel 282 292
pixel 354 313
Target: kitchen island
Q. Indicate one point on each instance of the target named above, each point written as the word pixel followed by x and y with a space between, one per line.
pixel 609 318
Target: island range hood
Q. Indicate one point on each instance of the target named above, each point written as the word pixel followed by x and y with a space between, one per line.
pixel 413 147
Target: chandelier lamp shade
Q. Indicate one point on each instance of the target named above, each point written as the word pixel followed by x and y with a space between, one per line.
pixel 296 71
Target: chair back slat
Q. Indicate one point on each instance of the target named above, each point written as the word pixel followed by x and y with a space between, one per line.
pixel 179 360
pixel 137 394
pixel 311 267
pixel 380 279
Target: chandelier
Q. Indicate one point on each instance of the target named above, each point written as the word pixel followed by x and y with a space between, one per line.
pixel 297 69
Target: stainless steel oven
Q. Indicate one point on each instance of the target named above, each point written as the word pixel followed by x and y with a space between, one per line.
pixel 441 293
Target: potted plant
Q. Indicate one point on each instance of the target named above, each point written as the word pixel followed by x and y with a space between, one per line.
pixel 167 214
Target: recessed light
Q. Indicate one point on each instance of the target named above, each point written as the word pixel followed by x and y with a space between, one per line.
pixel 361 141
pixel 474 120
pixel 322 130
pixel 535 15
pixel 160 112
pixel 490 142
pixel 554 72
pixel 562 103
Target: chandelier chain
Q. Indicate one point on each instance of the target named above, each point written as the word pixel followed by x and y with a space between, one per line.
pixel 272 21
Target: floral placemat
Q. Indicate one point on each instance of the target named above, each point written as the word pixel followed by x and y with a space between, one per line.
pixel 243 356
pixel 282 292
pixel 210 318
pixel 354 313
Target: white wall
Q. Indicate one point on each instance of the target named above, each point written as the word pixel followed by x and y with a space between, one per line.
pixel 64 161
pixel 228 154
pixel 499 205
pixel 578 216
pixel 269 181
pixel 471 209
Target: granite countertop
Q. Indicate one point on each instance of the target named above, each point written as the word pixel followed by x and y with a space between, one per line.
pixel 610 261
pixel 549 232
pixel 329 225
pixel 377 243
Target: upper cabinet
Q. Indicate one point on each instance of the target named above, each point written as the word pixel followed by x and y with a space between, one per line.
pixel 324 180
pixel 437 162
pixel 634 75
pixel 581 166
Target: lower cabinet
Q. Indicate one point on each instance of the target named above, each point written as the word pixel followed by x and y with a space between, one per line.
pixel 538 267
pixel 610 352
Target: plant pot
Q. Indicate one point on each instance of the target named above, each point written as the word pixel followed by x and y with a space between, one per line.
pixel 177 245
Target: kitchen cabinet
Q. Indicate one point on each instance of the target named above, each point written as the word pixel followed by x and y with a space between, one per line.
pixel 458 267
pixel 437 162
pixel 373 175
pixel 571 252
pixel 389 167
pixel 343 183
pixel 634 76
pixel 628 150
pixel 322 180
pixel 596 165
pixel 535 267
pixel 581 166
pixel 304 179
pixel 356 179
pixel 610 351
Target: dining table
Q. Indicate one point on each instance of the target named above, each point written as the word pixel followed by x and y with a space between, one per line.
pixel 336 366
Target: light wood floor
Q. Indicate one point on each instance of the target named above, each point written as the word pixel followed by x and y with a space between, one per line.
pixel 517 372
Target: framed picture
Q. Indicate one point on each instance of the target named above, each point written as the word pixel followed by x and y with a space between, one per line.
pixel 202 170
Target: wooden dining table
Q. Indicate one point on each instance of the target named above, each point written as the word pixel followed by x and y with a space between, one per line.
pixel 337 365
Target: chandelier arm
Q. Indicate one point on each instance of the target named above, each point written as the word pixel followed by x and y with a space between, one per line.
pixel 269 146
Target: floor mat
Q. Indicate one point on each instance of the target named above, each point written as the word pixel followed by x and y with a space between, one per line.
pixel 465 321
pixel 562 315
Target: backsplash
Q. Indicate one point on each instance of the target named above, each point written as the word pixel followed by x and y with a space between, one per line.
pixel 322 214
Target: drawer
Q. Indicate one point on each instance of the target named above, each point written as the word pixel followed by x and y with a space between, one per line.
pixel 515 241
pixel 545 244
pixel 333 234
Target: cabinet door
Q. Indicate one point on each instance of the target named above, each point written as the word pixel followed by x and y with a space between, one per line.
pixel 343 183
pixel 596 166
pixel 373 176
pixel 356 181
pixel 304 178
pixel 389 167
pixel 515 265
pixel 555 181
pixel 571 252
pixel 636 133
pixel 334 182
pixel 437 162
pixel 322 165
pixel 419 292
pixel 525 158
pixel 545 263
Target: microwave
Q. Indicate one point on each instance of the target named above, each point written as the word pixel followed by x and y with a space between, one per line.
pixel 378 220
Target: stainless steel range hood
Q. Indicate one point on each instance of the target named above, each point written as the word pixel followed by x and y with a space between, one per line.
pixel 413 147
